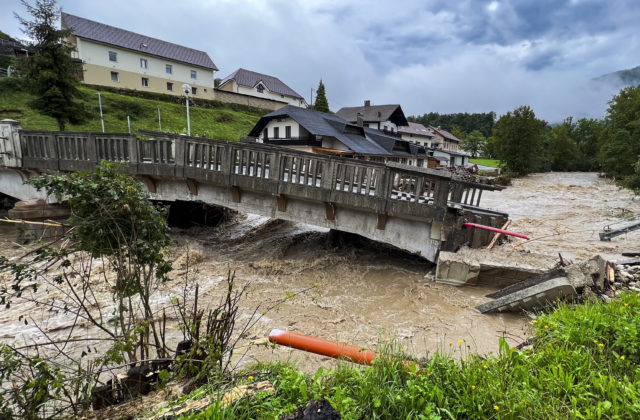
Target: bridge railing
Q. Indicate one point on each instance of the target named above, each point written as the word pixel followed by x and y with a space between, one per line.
pixel 384 188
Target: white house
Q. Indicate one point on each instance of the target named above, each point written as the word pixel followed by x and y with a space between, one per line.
pixel 447 140
pixel 387 118
pixel 419 134
pixel 261 86
pixel 319 132
pixel 119 58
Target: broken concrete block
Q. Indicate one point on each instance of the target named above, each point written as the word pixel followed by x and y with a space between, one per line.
pixel 531 298
pixel 457 270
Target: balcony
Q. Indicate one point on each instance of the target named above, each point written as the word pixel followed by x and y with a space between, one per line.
pixel 293 141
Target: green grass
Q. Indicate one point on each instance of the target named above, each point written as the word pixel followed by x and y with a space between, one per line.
pixel 218 123
pixel 495 163
pixel 584 365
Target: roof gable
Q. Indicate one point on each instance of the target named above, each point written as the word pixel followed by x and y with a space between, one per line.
pixel 96 31
pixel 447 135
pixel 416 128
pixel 250 79
pixel 372 113
pixel 360 140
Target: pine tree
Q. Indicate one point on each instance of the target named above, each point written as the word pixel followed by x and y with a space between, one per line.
pixel 321 104
pixel 50 73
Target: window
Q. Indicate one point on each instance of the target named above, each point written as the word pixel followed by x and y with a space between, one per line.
pixel 168 68
pixel 143 63
pixel 145 81
pixel 194 74
pixel 114 76
pixel 113 56
pixel 266 134
pixel 260 88
pixel 170 86
pixel 276 132
pixel 287 132
pixel 194 90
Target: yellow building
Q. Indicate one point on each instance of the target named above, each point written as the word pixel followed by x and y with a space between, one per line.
pixel 119 58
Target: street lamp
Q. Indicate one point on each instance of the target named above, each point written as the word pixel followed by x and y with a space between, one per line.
pixel 187 89
pixel 101 117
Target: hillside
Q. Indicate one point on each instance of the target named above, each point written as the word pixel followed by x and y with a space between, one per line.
pixel 218 121
pixel 622 78
pixel 5 36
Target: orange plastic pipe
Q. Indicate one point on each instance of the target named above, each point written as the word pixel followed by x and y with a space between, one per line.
pixel 323 347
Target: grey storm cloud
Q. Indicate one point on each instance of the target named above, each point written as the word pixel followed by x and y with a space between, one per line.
pixel 434 55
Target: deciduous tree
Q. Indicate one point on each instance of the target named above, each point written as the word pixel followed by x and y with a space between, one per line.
pixel 473 143
pixel 620 142
pixel 519 135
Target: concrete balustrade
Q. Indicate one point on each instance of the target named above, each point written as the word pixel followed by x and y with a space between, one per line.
pixel 401 205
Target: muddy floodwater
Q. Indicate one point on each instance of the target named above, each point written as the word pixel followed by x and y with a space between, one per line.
pixel 361 292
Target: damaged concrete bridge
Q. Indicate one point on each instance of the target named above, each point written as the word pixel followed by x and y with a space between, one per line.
pixel 416 209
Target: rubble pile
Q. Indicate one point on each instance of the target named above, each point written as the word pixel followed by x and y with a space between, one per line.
pixel 626 275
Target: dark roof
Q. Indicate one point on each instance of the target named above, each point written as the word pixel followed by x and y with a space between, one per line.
pixel 251 79
pixel 96 31
pixel 447 135
pixel 416 128
pixel 373 113
pixel 360 140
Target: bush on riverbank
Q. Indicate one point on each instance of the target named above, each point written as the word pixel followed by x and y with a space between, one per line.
pixel 584 364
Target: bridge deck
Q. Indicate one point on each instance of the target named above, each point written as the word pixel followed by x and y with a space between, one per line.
pixel 270 180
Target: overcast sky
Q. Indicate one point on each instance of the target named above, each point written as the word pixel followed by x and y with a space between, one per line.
pixel 427 55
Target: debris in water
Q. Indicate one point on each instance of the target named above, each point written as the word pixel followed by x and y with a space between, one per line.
pixel 612 233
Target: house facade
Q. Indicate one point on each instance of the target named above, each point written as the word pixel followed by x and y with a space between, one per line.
pixel 447 140
pixel 386 118
pixel 319 132
pixel 419 134
pixel 260 85
pixel 123 59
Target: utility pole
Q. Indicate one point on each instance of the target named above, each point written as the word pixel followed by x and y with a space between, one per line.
pixel 311 98
pixel 101 117
pixel 129 124
pixel 159 120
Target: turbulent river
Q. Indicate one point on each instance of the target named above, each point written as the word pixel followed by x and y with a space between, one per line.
pixel 361 292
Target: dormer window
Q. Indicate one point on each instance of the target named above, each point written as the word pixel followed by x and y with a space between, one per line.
pixel 260 88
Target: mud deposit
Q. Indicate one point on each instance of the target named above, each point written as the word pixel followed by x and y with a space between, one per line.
pixel 360 291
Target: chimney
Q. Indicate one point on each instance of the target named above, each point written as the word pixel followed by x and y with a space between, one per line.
pixel 367 103
pixel 360 120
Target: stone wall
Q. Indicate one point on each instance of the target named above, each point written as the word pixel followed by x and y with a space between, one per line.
pixel 252 101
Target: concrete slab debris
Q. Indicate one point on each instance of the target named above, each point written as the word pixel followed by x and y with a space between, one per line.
pixel 494 268
pixel 531 298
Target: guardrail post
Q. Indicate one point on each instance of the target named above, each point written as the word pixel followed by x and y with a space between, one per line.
pixel 274 166
pixel 180 147
pixel 92 151
pixel 133 150
pixel 383 189
pixel 52 146
pixel 441 193
pixel 329 168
